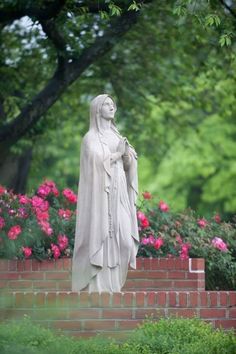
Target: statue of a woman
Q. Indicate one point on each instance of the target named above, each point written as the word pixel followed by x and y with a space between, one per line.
pixel 106 238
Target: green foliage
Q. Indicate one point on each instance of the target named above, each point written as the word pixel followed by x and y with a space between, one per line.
pixel 167 336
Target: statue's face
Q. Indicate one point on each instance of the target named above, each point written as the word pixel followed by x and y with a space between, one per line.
pixel 108 109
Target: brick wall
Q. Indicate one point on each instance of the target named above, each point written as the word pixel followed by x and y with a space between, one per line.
pixel 159 287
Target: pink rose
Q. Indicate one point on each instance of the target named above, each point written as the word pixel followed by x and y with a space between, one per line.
pixel 145 241
pixel 11 212
pixel 179 239
pixel 141 216
pixel 184 253
pixel 41 215
pixel 202 223
pixel 147 195
pixel 218 243
pixel 217 218
pixel 69 195
pixel 65 214
pixel 55 251
pixel 158 243
pixel 22 213
pixel 2 190
pixel 2 222
pixel 46 227
pixel 39 203
pixel 23 199
pixel 62 241
pixel 27 251
pixel 14 232
pixel 163 206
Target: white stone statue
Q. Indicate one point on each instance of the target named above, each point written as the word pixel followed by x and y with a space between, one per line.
pixel 106 237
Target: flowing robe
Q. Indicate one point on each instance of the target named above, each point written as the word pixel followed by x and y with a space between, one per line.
pixel 106 238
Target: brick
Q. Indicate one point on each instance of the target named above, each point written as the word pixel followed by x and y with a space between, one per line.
pixel 64 285
pixel 193 299
pixel 140 299
pixel 12 265
pixel 175 275
pixel 116 313
pixel 128 324
pixel 223 298
pixel 212 313
pixel 163 264
pixel 147 263
pixel 161 298
pixel 31 275
pixel 163 284
pixel 51 299
pixel 232 298
pixel 19 299
pixel 155 264
pixel 198 264
pixel 116 299
pixel 99 325
pixel 226 324
pixel 186 284
pixel 36 265
pixel 20 313
pixel 197 276
pixel 66 325
pixel 62 299
pixel 213 299
pixel 57 275
pixel 39 299
pixel 20 284
pixel 172 299
pixel 47 265
pixel 151 298
pixel 9 276
pixel 139 263
pixel 45 285
pixel 78 314
pixel 28 264
pixel 149 313
pixel 3 284
pixel 232 313
pixel 183 299
pixel 204 299
pixel 128 299
pixel 105 299
pixel 129 284
pixel 141 284
pixel 83 299
pixel 7 300
pixel 180 264
pixel 59 264
pixel 67 264
pixel 182 312
pixel 94 299
pixel 3 265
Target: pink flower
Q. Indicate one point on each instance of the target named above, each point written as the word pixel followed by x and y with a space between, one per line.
pixel 218 243
pixel 55 251
pixel 27 251
pixel 2 190
pixel 41 215
pixel 11 212
pixel 202 223
pixel 179 239
pixel 163 206
pixel 69 195
pixel 46 188
pixel 39 203
pixel 145 223
pixel 145 241
pixel 2 222
pixel 46 227
pixel 62 241
pixel 141 216
pixel 147 195
pixel 217 218
pixel 14 232
pixel 22 213
pixel 185 250
pixel 143 219
pixel 65 214
pixel 158 243
pixel 23 199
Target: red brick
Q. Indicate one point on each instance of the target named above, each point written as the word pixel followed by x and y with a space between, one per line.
pixel 67 263
pixel 182 299
pixel 105 299
pixel 175 275
pixel 226 324
pixel 151 298
pixel 47 285
pixel 155 264
pixel 51 299
pixel 40 299
pixel 232 312
pixel 129 284
pixel 3 284
pixel 20 313
pixel 51 314
pixel 149 313
pixel 28 265
pixel 213 298
pixel 163 284
pixel 204 299
pixel 12 265
pixel 36 265
pixel 172 299
pixel 140 299
pixel 31 275
pixel 139 263
pixel 186 284
pixel 64 325
pixel 223 298
pixel 182 312
pixel 95 299
pixel 47 265
pixel 59 264
pixel 129 324
pixel 198 276
pixel 128 299
pixel 64 285
pixel 97 325
pixel 140 284
pixel 77 314
pixel 180 264
pixel 3 265
pixel 198 264
pixel 163 264
pixel 232 298
pixel 193 299
pixel 9 276
pixel 116 313
pixel 161 298
pixel 62 299
pixel 19 299
pixel 20 284
pixel 20 266
pixel 57 275
pixel 147 263
pixel 212 313
pixel 84 299
pixel 116 299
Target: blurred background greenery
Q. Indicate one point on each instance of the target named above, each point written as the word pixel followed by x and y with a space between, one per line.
pixel 172 74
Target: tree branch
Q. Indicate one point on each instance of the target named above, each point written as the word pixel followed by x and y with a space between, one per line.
pixel 226 6
pixel 62 78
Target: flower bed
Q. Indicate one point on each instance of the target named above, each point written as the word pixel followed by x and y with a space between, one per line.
pixel 42 226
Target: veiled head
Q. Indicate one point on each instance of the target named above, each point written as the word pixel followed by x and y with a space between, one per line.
pixel 101 106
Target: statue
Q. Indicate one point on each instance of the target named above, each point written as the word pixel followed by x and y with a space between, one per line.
pixel 106 236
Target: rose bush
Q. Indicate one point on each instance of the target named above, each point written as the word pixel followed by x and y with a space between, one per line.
pixel 42 226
